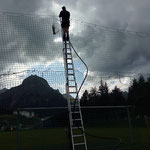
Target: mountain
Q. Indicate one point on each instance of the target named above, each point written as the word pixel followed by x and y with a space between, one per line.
pixel 3 90
pixel 33 92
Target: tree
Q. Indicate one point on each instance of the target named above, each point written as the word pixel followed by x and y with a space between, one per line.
pixel 93 96
pixel 133 89
pixel 84 98
pixel 117 97
pixel 103 88
pixel 104 95
pixel 139 95
pixel 137 90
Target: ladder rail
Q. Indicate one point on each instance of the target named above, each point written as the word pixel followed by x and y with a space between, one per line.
pixel 67 96
pixel 77 97
pixel 68 60
pixel 68 56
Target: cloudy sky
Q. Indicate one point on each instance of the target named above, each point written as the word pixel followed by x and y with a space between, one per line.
pixel 113 55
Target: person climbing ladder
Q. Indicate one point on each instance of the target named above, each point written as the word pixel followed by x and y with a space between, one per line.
pixel 65 23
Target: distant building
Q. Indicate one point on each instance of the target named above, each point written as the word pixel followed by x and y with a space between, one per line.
pixel 27 114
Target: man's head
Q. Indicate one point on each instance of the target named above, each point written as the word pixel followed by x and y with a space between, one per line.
pixel 63 8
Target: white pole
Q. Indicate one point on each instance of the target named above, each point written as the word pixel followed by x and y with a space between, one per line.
pixel 130 125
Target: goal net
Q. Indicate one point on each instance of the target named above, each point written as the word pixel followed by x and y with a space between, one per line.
pixel 104 126
pixel 32 44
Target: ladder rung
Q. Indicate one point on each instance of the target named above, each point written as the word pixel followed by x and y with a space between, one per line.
pixel 76 112
pixel 70 69
pixel 69 63
pixel 71 80
pixel 73 92
pixel 77 127
pixel 67 49
pixel 70 74
pixel 79 144
pixel 76 119
pixel 69 58
pixel 71 86
pixel 76 106
pixel 79 135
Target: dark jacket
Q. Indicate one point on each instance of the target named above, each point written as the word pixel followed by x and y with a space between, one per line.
pixel 65 15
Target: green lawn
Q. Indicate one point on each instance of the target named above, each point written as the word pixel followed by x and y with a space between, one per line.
pixel 56 139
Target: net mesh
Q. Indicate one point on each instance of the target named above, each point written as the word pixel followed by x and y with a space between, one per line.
pixel 52 125
pixel 28 47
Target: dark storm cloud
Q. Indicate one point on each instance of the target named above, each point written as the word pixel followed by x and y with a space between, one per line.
pixel 103 50
pixel 127 14
pixel 26 39
pixel 109 51
pixel 21 6
pixel 17 33
pixel 113 51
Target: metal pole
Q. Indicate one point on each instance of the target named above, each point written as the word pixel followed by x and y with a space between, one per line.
pixel 130 125
pixel 17 130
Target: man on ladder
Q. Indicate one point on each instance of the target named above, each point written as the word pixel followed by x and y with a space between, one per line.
pixel 76 132
pixel 65 23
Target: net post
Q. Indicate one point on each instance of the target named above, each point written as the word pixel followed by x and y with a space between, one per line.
pixel 17 130
pixel 130 125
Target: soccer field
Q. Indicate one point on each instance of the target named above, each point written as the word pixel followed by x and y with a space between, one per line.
pixel 57 139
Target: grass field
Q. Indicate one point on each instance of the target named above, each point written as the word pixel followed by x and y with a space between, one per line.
pixel 56 139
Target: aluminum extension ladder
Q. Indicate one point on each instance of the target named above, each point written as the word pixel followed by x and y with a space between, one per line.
pixel 78 139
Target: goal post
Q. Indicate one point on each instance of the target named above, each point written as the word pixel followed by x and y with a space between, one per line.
pixel 110 116
pixel 147 121
pixel 107 121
